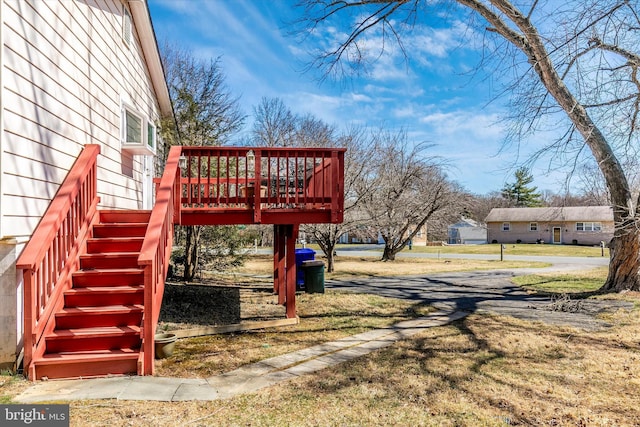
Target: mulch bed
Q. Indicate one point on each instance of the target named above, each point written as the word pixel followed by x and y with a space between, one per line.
pixel 190 305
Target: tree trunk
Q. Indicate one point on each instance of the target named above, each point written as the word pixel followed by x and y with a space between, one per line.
pixel 191 253
pixel 389 254
pixel 331 256
pixel 624 264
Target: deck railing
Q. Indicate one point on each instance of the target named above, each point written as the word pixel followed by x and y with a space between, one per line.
pixel 277 180
pixel 51 255
pixel 156 254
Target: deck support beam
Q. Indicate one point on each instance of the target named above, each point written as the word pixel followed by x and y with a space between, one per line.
pixel 284 266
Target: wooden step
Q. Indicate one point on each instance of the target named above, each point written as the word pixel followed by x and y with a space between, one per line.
pixel 108 277
pixel 104 295
pixel 87 364
pixel 114 216
pixel 89 339
pixel 119 230
pixel 90 317
pixel 114 244
pixel 109 260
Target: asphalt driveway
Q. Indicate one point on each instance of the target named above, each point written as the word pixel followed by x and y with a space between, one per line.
pixel 489 291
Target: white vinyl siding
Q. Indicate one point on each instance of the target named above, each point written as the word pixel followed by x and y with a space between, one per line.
pixel 66 72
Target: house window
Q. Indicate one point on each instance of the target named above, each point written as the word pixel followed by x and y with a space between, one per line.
pixel 151 136
pixel 588 226
pixel 132 127
pixel 506 226
pixel 126 26
pixel 139 135
pixel 533 226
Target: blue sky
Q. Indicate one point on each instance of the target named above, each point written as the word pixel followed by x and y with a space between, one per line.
pixel 433 95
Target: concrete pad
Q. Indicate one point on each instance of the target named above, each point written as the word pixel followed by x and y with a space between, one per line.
pixel 338 357
pixel 96 388
pixel 371 335
pixel 202 392
pixel 280 362
pixel 228 379
pixel 230 386
pixel 308 367
pixel 259 368
pixel 151 388
pixel 378 344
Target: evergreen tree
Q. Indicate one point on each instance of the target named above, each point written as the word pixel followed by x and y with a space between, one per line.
pixel 519 193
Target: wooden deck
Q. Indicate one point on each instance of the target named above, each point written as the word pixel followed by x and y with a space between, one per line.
pixel 296 185
pixel 94 279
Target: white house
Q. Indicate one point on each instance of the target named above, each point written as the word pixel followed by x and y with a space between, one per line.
pixel 466 232
pixel 73 73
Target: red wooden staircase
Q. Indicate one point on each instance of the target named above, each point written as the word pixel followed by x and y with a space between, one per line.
pixel 97 330
pixel 94 279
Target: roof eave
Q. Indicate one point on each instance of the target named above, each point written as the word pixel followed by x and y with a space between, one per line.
pixel 142 22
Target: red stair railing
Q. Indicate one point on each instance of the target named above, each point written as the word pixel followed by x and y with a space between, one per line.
pixel 156 254
pixel 51 255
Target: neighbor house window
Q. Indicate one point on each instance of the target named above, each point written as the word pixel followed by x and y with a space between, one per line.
pixel 506 226
pixel 588 226
pixel 533 226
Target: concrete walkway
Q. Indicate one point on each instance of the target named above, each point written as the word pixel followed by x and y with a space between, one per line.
pixel 247 379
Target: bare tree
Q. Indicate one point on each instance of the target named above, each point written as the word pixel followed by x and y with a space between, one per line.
pixel 572 62
pixel 274 124
pixel 357 165
pixel 277 126
pixel 479 206
pixel 405 189
pixel 206 114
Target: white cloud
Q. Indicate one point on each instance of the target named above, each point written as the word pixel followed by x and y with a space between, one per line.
pixel 471 124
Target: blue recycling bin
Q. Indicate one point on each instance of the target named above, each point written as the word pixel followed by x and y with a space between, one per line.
pixel 302 255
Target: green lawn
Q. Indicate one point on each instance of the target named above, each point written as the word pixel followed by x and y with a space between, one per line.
pixel 510 249
pixel 574 282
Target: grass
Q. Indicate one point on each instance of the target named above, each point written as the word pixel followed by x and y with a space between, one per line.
pixel 261 266
pixel 575 282
pixel 511 249
pixel 484 370
pixel 323 318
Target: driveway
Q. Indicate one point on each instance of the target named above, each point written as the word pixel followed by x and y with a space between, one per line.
pixel 488 291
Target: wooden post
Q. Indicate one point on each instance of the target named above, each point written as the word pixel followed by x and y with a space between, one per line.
pixel 276 254
pixel 279 262
pixel 291 271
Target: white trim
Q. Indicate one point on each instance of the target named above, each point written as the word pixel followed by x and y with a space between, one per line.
pixel 142 146
pixel 147 183
pixel 2 96
pixel 144 28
